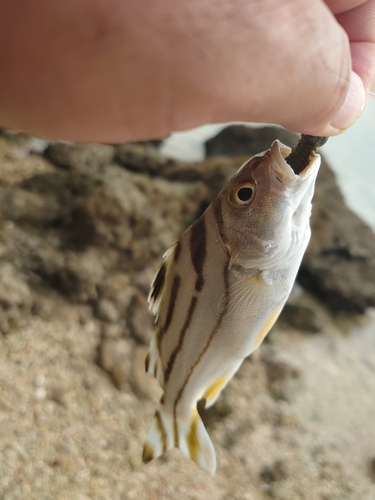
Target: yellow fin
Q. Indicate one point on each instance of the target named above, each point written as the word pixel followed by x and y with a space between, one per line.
pixel 270 322
pixel 213 392
pixel 189 435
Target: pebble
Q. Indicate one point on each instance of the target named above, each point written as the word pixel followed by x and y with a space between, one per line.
pixel 106 311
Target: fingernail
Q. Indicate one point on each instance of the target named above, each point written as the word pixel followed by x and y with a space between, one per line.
pixel 353 106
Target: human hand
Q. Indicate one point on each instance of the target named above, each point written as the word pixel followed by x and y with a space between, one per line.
pixel 122 70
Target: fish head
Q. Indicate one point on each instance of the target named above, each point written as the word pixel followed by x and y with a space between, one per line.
pixel 266 206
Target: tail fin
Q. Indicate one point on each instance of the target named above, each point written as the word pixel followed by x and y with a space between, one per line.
pixel 189 435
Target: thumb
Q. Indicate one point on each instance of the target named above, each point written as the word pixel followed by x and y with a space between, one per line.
pixel 287 63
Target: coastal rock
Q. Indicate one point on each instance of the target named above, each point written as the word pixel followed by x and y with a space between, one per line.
pixel 76 275
pixel 15 298
pixel 284 380
pixel 214 173
pixel 144 158
pixel 242 140
pixel 339 264
pixel 115 358
pixel 131 214
pixel 66 431
pixel 139 319
pixel 301 312
pixel 19 205
pixel 301 317
pixel 80 156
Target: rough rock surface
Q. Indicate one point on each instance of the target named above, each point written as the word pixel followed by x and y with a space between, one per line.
pixel 75 402
pixel 242 140
pixel 339 265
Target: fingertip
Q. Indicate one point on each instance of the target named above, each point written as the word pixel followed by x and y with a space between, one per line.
pixel 352 107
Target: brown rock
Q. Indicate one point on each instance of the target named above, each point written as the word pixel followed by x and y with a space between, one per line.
pixel 140 380
pixel 129 213
pixel 15 298
pixel 106 311
pixel 284 380
pixel 140 320
pixel 242 140
pixel 19 205
pixel 115 357
pixel 339 264
pixel 80 156
pixel 143 157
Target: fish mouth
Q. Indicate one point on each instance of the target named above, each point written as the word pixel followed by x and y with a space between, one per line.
pixel 284 171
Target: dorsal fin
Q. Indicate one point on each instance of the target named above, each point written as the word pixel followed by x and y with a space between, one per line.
pixel 157 287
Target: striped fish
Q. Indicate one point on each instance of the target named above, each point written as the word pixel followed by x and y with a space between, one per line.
pixel 220 289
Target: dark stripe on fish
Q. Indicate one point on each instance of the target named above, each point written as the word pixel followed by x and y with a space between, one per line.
pixel 172 359
pixel 177 251
pixel 210 338
pixel 198 250
pixel 161 429
pixel 175 431
pixel 159 282
pixel 148 453
pixel 219 218
pixel 147 361
pixel 217 212
pixel 172 301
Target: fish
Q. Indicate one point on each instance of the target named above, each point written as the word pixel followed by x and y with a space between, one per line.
pixel 219 290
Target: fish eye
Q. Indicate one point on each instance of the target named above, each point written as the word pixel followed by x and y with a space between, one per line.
pixel 243 193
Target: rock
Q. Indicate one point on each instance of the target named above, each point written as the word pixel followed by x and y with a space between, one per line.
pixel 80 156
pixel 19 205
pixel 106 311
pixel 301 312
pixel 140 381
pixel 15 167
pixel 279 478
pixel 116 289
pixel 113 331
pixel 115 357
pixel 143 157
pixel 66 432
pixel 301 317
pixel 132 214
pixel 77 275
pixel 339 264
pixel 44 307
pixel 284 380
pixel 15 298
pixel 274 472
pixel 372 469
pixel 242 140
pixel 48 183
pixel 213 172
pixel 85 314
pixel 139 319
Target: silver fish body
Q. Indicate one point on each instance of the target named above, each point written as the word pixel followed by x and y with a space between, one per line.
pixel 220 289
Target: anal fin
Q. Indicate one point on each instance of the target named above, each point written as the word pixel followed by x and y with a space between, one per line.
pixel 213 392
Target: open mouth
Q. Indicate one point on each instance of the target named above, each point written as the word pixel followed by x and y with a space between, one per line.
pixel 305 150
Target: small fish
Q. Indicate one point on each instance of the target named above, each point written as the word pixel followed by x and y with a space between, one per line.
pixel 220 289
